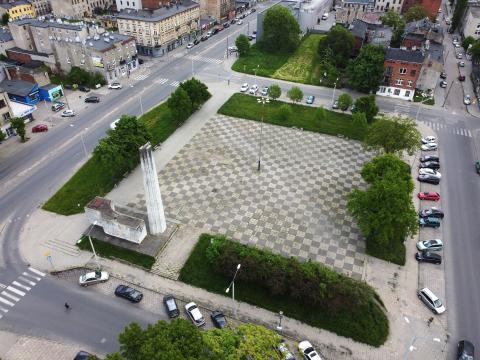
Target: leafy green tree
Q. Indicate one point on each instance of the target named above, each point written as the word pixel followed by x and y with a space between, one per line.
pixel 2 136
pixel 96 78
pixel 18 125
pixel 274 92
pixel 283 112
pixel 197 92
pixel 360 121
pixel 223 343
pixel 416 12
pixel 387 165
pixel 366 70
pixel 281 32
pixel 393 134
pixel 469 40
pixel 366 105
pixel 5 18
pixel 341 43
pixel 460 7
pixel 243 45
pixel 345 101
pixel 180 104
pixel 295 94
pixel 257 342
pixel 78 76
pixel 396 22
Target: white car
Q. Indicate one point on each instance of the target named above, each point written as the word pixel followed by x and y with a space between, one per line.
pixel 428 139
pixel 467 100
pixel 244 87
pixel 307 350
pixel 232 48
pixel 265 91
pixel 68 113
pixel 239 22
pixel 194 314
pixel 113 124
pixel 93 277
pixel 430 146
pixel 430 245
pixel 459 56
pixel 456 44
pixel 189 45
pixel 428 171
pixel 115 86
pixel 461 63
pixel 253 90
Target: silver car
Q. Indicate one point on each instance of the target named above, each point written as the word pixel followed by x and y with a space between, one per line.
pixel 93 277
pixel 430 245
pixel 431 300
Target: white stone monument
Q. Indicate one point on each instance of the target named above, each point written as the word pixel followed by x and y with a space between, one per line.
pixel 156 215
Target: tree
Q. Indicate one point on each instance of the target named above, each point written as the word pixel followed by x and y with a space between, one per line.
pixel 344 101
pixel 19 126
pixel 469 40
pixel 416 12
pixel 281 32
pixel 393 134
pixel 366 105
pixel 224 343
pixel 5 18
pixel 475 50
pixel 366 70
pixel 197 92
pixel 360 121
pixel 341 43
pixel 386 166
pixel 396 22
pixel 257 342
pixel 295 94
pixel 460 7
pixel 274 92
pixel 243 44
pixel 180 104
pixel 3 136
pixel 283 112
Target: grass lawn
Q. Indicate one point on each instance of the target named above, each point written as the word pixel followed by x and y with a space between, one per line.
pixel 92 180
pixel 302 116
pixel 265 63
pixel 198 272
pixel 111 251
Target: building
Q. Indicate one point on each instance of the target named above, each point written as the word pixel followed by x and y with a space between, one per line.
pixel 431 6
pixel 431 69
pixel 470 24
pixel 42 7
pixel 218 9
pixel 379 34
pixel 417 33
pixel 6 40
pixel 50 92
pixel 5 114
pixel 21 91
pixel 401 71
pixel 17 10
pixel 359 30
pixel 159 31
pixel 353 9
pixel 386 5
pixel 78 9
pixel 32 71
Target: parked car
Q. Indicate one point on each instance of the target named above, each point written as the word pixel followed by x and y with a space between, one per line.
pixel 113 124
pixel 335 104
pixel 428 171
pixel 68 113
pixel 461 63
pixel 461 77
pixel 429 179
pixel 83 88
pixel 209 33
pixel 429 146
pixel 58 106
pixel 284 351
pixel 430 164
pixel 426 256
pixel 218 319
pixel 128 293
pixel 171 306
pixel 265 91
pixel 194 314
pixel 239 22
pixel 310 99
pixel 244 87
pixel 443 84
pixel 196 42
pixel 459 56
pixel 427 158
pixel 477 167
pixel 226 25
pixel 115 86
pixel 432 222
pixel 431 300
pixel 467 100
pixel 93 277
pixel 465 350
pixel 189 45
pixel 250 37
pixel 431 212
pixel 68 87
pixel 253 89
pixel 92 99
pixel 82 355
pixel 443 75
pixel 429 139
pixel 233 21
pixel 39 128
pixel 434 196
pixel 430 245
pixel 204 38
pixel 308 351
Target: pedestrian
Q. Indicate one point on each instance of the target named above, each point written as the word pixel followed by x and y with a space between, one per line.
pixel 67 306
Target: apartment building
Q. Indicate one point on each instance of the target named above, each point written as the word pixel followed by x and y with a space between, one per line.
pixel 78 9
pixel 18 10
pixel 42 7
pixel 386 5
pixel 353 9
pixel 159 31
pixel 5 114
pixel 218 9
pixel 470 24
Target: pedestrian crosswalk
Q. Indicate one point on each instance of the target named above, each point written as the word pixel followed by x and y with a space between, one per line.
pixel 140 77
pixel 161 81
pixel 13 293
pixel 449 129
pixel 175 83
pixel 199 58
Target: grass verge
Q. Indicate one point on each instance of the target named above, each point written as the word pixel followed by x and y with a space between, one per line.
pixel 301 116
pixel 111 251
pixel 367 324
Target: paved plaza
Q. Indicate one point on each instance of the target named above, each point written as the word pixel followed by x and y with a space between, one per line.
pixel 296 204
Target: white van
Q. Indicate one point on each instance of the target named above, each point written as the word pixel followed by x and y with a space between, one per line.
pixel 325 16
pixel 113 124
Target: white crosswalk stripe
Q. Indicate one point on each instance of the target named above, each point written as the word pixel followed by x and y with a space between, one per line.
pixel 161 81
pixel 16 283
pixel 174 83
pixel 4 293
pixel 25 280
pixel 31 276
pixel 9 303
pixel 35 271
pixel 16 291
pixel 3 309
pixel 140 77
pixel 3 286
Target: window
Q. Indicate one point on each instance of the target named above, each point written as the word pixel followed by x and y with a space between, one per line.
pixel 403 71
pixel 2 104
pixel 396 92
pixel 399 82
pixel 407 93
pixel 409 83
pixel 413 72
pixel 6 116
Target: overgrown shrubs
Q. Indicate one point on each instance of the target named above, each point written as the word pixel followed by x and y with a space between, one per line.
pixel 79 76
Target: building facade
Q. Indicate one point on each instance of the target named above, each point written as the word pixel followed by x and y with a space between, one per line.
pixel 42 7
pixel 78 9
pixel 6 40
pixel 353 9
pixel 401 71
pixel 18 10
pixel 470 24
pixel 218 9
pixel 159 31
pixel 386 5
pixel 5 114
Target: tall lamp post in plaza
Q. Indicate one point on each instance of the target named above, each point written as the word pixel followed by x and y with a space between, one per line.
pixel 232 285
pixel 280 316
pixel 334 88
pixel 262 100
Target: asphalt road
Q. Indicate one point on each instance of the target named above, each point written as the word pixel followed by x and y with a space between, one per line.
pixel 38 170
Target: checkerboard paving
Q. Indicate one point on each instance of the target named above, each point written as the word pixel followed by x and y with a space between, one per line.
pixel 294 206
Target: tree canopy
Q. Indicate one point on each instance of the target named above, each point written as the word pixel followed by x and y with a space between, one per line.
pixel 475 50
pixel 340 42
pixel 243 44
pixel 366 105
pixel 19 125
pixel 196 91
pixel 366 70
pixel 416 12
pixel 345 101
pixel 397 23
pixel 460 7
pixel 281 32
pixel 295 94
pixel 180 104
pixel 469 40
pixel 274 92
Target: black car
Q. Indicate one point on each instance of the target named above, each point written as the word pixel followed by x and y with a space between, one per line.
pixel 250 37
pixel 431 212
pixel 204 38
pixel 128 293
pixel 83 88
pixel 171 306
pixel 92 99
pixel 140 61
pixel 218 319
pixel 243 16
pixel 427 158
pixel 430 179
pixel 443 75
pixel 253 10
pixel 82 355
pixel 233 21
pixel 429 257
pixel 68 87
pixel 196 42
pixel 434 165
pixel 226 25
pixel 215 31
pixel 465 350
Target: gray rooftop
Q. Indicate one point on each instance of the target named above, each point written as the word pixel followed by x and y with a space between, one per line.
pixel 358 28
pixel 46 24
pixel 157 15
pixel 435 52
pixel 420 25
pixel 17 87
pixel 49 86
pixel 411 56
pixel 113 38
pixel 5 35
pixel 380 35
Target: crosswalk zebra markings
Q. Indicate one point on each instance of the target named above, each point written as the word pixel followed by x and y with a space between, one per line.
pixel 35 271
pixel 3 309
pixel 9 303
pixel 25 280
pixel 16 291
pixel 16 283
pixel 175 83
pixel 31 276
pixel 4 293
pixel 161 81
pixel 3 286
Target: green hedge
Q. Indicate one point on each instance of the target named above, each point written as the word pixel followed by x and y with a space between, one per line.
pixel 307 291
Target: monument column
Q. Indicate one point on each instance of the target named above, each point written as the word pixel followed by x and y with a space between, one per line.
pixel 156 215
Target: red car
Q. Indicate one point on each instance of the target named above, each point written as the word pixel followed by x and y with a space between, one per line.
pixel 429 196
pixel 40 128
pixel 461 77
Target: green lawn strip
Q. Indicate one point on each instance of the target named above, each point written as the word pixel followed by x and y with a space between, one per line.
pixel 265 63
pixel 302 116
pixel 111 251
pixel 394 253
pixel 367 324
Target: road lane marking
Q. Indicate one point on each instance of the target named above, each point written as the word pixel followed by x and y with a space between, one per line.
pixel 38 272
pixel 3 286
pixel 3 309
pixel 16 291
pixel 31 276
pixel 6 302
pixel 4 293
pixel 16 283
pixel 25 280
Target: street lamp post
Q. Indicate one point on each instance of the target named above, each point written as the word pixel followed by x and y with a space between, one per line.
pixel 232 285
pixel 280 316
pixel 334 88
pixel 262 100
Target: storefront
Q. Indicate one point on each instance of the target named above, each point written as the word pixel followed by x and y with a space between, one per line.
pixel 51 92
